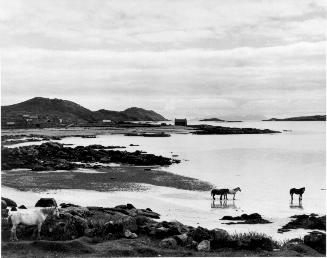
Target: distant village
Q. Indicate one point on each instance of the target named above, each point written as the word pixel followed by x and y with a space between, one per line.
pixel 46 121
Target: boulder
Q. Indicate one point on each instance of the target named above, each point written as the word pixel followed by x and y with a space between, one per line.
pixel 200 234
pixel 169 243
pixel 46 202
pixel 9 202
pixel 221 238
pixel 204 246
pixel 67 227
pixel 316 240
pixel 66 205
pixel 183 239
pixel 129 206
pixel 129 234
pixel 22 207
pixel 3 204
pixel 4 213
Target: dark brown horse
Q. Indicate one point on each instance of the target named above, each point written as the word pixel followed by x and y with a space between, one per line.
pixel 299 191
pixel 221 192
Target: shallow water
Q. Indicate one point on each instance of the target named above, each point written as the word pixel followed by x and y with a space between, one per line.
pixel 264 166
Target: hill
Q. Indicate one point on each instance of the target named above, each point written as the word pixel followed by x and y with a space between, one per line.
pixel 48 109
pixel 39 112
pixel 300 118
pixel 130 114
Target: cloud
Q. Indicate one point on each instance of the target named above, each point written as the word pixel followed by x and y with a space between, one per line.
pixel 185 57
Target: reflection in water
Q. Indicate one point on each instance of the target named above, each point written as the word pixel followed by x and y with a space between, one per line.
pixel 224 204
pixel 296 206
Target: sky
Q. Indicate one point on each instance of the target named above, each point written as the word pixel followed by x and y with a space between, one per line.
pixel 180 58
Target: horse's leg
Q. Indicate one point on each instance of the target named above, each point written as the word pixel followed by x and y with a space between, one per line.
pixel 300 197
pixel 234 197
pixel 221 196
pixel 213 197
pixel 13 236
pixel 291 196
pixel 39 231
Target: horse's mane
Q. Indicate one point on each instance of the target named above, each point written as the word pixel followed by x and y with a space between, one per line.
pixel 48 210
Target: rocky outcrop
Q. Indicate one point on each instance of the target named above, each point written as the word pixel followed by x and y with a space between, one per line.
pixel 55 156
pixel 46 202
pixel 312 221
pixel 127 222
pixel 253 218
pixel 209 129
pixel 8 202
pixel 316 240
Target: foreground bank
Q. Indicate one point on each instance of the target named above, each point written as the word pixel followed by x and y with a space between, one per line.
pixel 127 231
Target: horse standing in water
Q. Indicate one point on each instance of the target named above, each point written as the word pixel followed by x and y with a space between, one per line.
pixel 221 192
pixel 299 191
pixel 30 217
pixel 234 191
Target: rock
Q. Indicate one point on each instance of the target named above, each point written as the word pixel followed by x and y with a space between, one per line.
pixel 183 239
pixel 253 218
pixel 298 246
pixel 4 213
pixel 306 222
pixel 76 210
pixel 201 234
pixel 22 207
pixel 9 202
pixel 169 243
pixel 129 234
pixel 317 241
pixel 130 206
pixel 3 204
pixel 204 246
pixel 46 202
pixel 221 238
pixel 67 227
pixel 66 205
pixel 13 209
pixel 161 232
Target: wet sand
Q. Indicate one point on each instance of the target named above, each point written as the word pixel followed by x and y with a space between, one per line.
pixel 117 178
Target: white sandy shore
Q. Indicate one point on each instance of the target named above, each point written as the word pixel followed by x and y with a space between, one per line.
pixel 189 207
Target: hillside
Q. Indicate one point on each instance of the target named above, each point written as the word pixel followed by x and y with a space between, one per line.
pixel 300 118
pixel 130 114
pixel 55 112
pixel 49 109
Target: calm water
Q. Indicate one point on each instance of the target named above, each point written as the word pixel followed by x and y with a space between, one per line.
pixel 265 167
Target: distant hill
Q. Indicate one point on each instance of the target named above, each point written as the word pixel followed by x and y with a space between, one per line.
pixel 130 114
pixel 214 119
pixel 55 111
pixel 300 118
pixel 49 108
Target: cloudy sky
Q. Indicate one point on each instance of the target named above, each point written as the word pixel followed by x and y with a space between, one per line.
pixel 188 58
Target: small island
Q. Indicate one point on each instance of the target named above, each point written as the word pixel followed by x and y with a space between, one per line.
pixel 300 118
pixel 214 119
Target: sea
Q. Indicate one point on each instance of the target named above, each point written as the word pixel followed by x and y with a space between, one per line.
pixel 264 166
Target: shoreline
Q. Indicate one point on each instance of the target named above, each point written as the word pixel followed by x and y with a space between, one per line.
pixel 91 227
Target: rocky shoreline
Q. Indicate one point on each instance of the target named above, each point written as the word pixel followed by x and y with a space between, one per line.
pixel 210 129
pixel 55 156
pixel 138 232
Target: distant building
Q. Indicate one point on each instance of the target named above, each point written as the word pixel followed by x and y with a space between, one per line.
pixel 181 122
